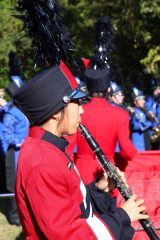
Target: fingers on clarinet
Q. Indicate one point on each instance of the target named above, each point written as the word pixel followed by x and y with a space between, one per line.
pixel 105 175
pixel 134 196
pixel 140 202
pixel 142 208
pixel 144 216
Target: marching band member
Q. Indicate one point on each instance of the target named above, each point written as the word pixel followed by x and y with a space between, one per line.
pixel 14 131
pixel 52 199
pixel 153 104
pixel 108 124
pixel 140 124
pixel 116 95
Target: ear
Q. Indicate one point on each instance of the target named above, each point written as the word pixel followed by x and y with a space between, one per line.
pixel 56 116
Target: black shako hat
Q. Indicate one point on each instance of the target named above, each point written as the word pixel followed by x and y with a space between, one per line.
pixel 97 75
pixel 97 80
pixel 47 93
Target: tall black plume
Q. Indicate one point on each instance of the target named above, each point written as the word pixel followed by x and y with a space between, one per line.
pixel 103 43
pixel 44 25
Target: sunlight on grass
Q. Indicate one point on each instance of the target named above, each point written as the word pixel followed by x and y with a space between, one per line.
pixel 9 232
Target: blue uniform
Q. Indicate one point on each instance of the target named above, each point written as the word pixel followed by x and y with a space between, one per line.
pixel 158 111
pixel 3 110
pixel 153 106
pixel 140 130
pixel 1 127
pixel 15 129
pixel 2 155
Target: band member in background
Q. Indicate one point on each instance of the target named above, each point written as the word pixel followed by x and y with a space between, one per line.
pixel 153 104
pixel 3 103
pixel 153 101
pixel 108 124
pixel 116 95
pixel 14 130
pixel 141 126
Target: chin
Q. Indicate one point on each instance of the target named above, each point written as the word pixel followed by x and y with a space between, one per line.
pixel 72 131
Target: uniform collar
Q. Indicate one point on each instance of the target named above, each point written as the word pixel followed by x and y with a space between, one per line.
pixel 59 142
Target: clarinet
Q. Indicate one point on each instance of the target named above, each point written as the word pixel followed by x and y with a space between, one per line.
pixel 116 178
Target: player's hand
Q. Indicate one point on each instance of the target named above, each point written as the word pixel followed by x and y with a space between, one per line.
pixel 106 184
pixel 134 207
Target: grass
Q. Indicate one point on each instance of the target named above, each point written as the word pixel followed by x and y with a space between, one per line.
pixel 7 231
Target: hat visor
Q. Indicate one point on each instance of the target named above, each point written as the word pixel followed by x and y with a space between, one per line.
pixel 120 93
pixel 78 93
pixel 140 97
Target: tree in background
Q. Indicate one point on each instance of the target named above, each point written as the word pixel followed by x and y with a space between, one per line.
pixel 137 43
pixel 136 56
pixel 11 40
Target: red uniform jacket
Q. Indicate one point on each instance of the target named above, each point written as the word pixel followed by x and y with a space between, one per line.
pixel 53 202
pixel 107 124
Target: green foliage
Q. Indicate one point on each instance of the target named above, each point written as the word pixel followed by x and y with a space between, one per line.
pixel 151 11
pixel 136 25
pixel 136 36
pixel 152 60
pixel 11 38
